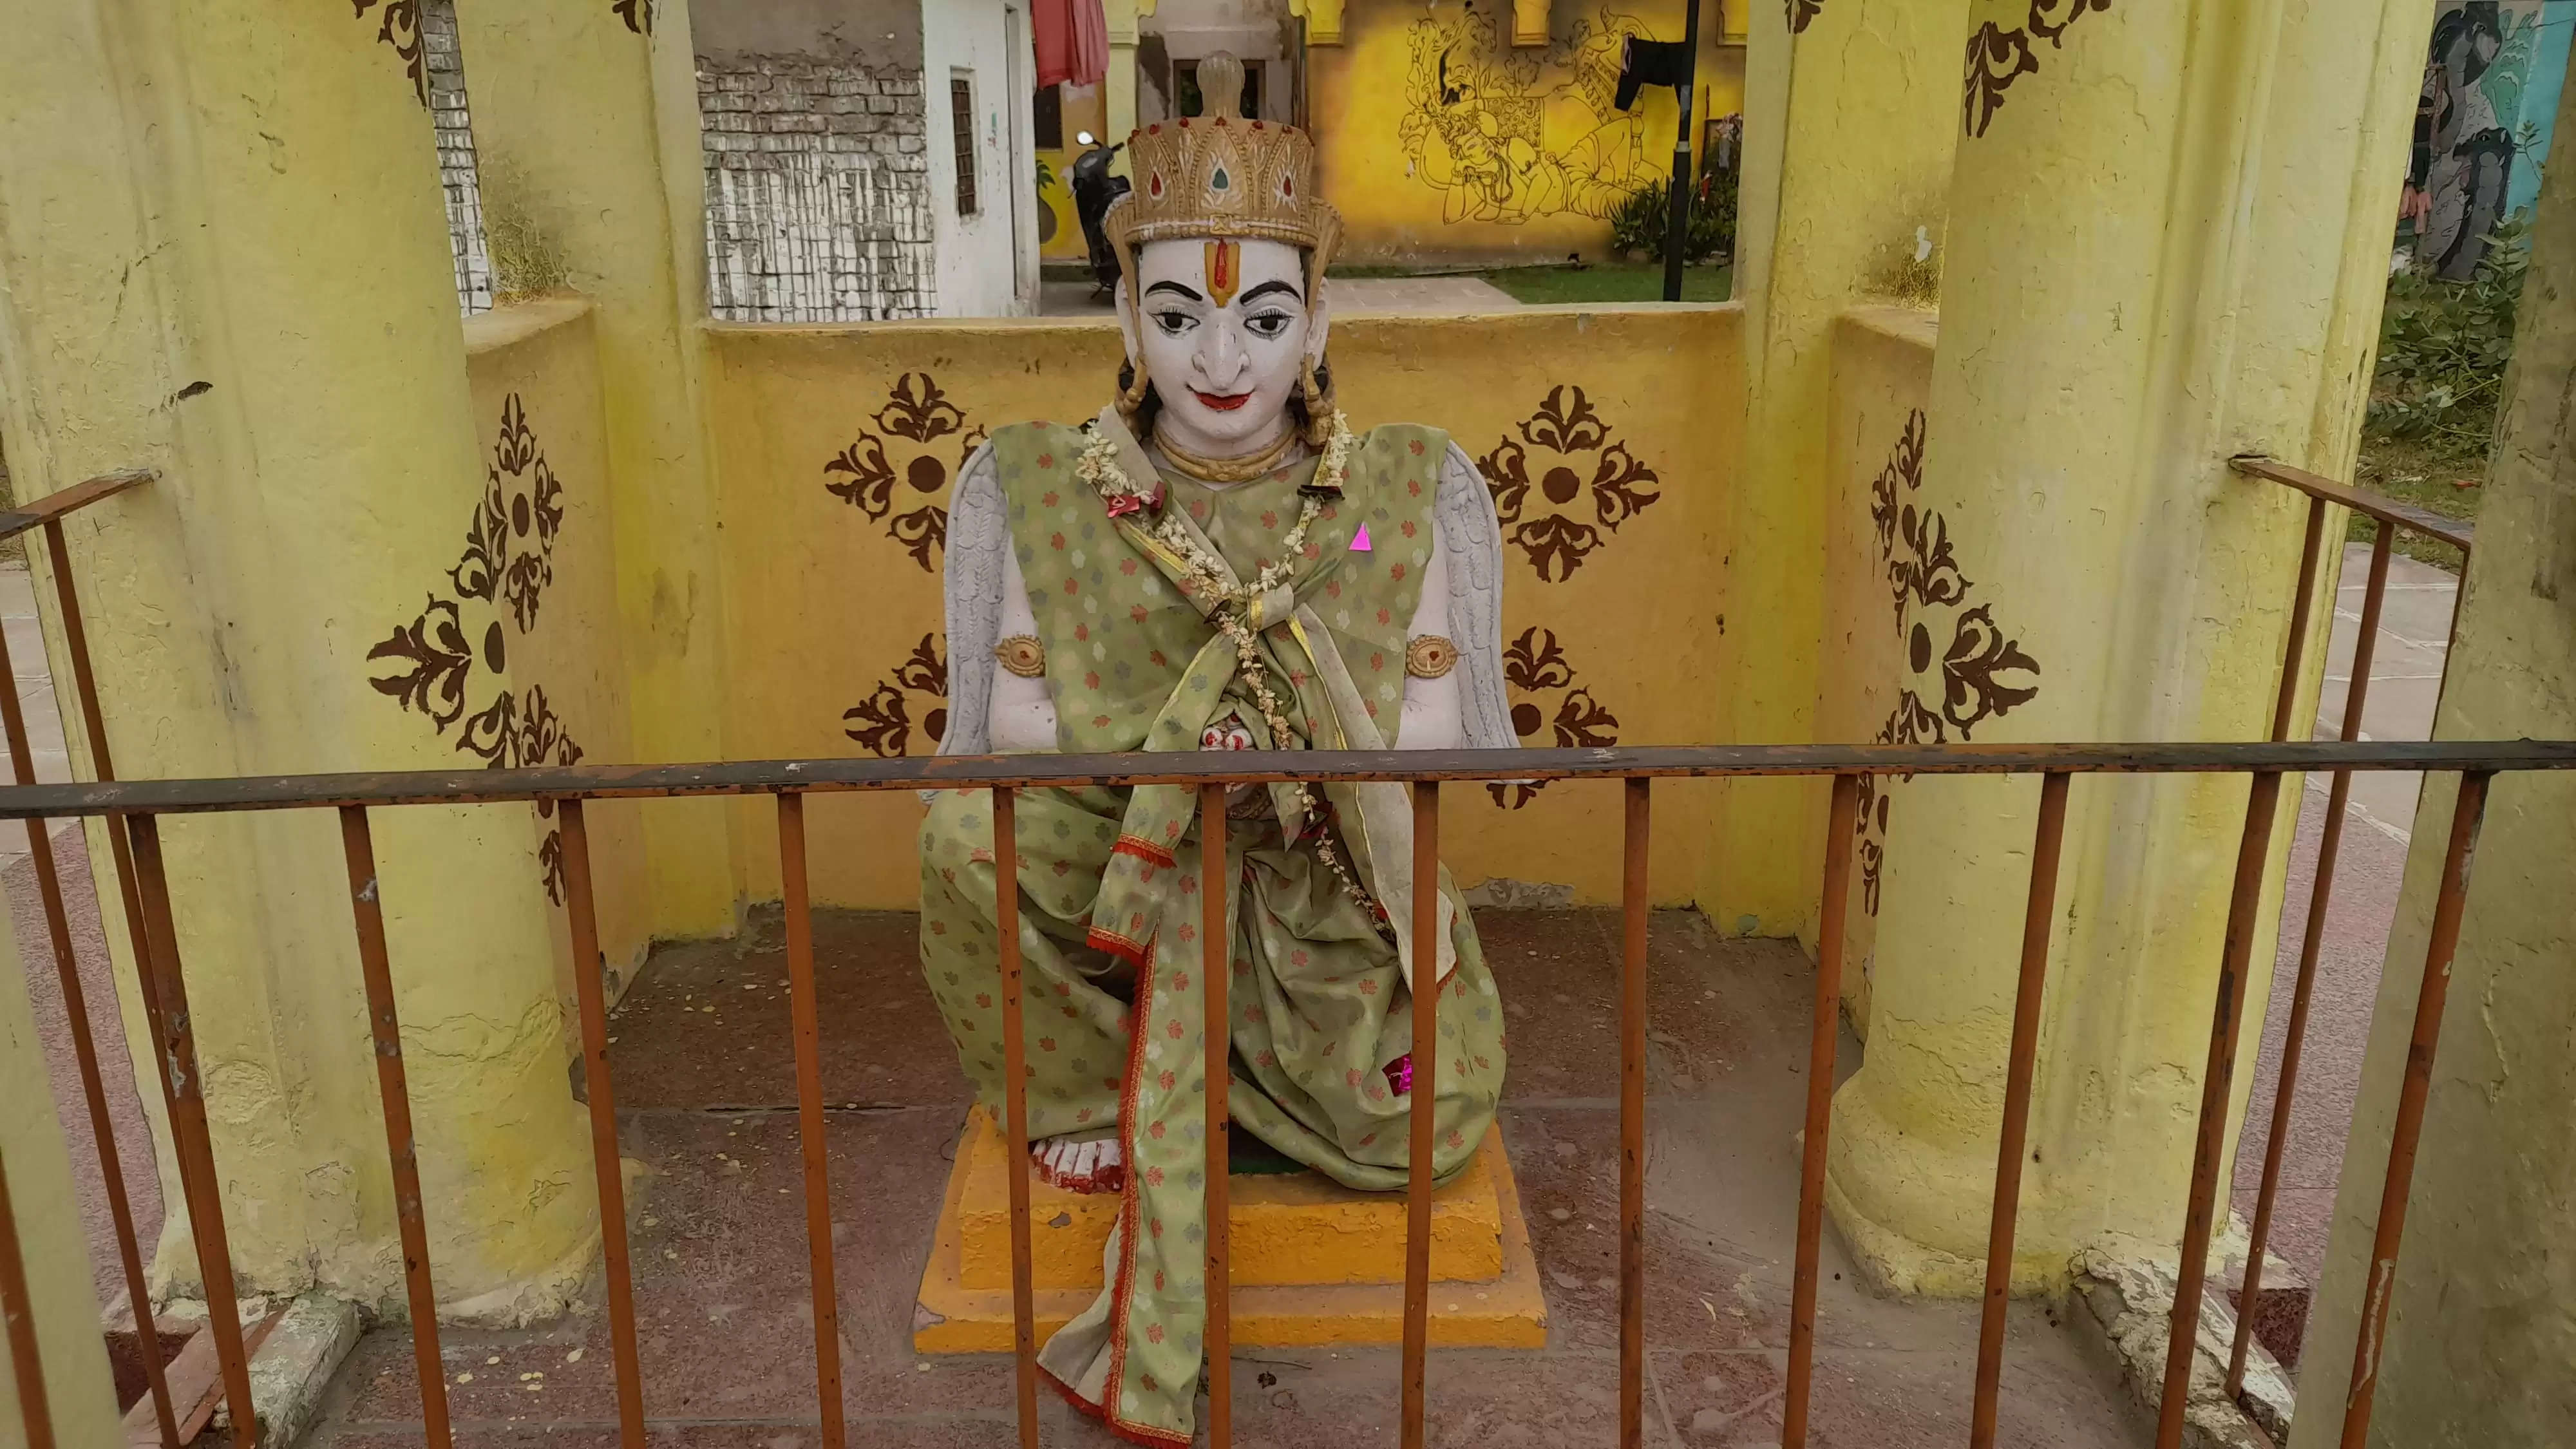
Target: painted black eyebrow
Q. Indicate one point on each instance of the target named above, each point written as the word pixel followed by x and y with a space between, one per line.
pixel 1266 288
pixel 1174 287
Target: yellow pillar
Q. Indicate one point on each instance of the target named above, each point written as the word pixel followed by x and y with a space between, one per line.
pixel 1120 89
pixel 588 125
pixel 2483 1320
pixel 226 257
pixel 2167 245
pixel 1848 134
pixel 79 1396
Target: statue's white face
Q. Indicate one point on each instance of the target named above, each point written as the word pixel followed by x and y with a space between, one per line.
pixel 1224 330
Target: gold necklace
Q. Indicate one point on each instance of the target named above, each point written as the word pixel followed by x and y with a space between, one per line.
pixel 1224 470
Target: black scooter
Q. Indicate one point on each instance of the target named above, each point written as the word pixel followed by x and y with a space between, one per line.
pixel 1093 189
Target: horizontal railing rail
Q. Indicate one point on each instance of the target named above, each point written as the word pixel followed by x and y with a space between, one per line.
pixel 2393 518
pixel 139 809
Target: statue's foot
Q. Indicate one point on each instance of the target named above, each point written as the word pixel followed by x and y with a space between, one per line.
pixel 1097 1165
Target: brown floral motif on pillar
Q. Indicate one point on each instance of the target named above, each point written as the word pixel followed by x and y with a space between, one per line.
pixel 1997 57
pixel 507 564
pixel 909 704
pixel 1802 13
pixel 1948 688
pixel 1548 707
pixel 401 30
pixel 904 460
pixel 638 14
pixel 1564 483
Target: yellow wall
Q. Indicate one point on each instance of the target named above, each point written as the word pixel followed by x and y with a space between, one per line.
pixel 1526 158
pixel 827 602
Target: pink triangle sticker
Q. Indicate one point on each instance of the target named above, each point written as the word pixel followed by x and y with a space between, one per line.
pixel 1359 540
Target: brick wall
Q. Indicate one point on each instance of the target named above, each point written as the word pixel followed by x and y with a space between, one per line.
pixel 818 190
pixel 445 64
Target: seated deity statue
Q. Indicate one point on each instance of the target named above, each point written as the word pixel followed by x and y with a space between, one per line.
pixel 1215 562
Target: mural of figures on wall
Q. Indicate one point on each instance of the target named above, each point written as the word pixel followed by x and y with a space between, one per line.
pixel 1505 134
pixel 2491 87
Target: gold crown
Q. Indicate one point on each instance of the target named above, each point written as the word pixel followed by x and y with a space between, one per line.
pixel 1219 175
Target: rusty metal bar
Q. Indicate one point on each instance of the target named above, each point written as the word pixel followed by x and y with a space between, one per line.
pixel 2217 1077
pixel 2302 607
pixel 18 1317
pixel 2455 532
pixel 1194 768
pixel 367 908
pixel 48 511
pixel 2405 1135
pixel 2037 917
pixel 2311 946
pixel 1820 1106
pixel 58 934
pixel 582 913
pixel 1015 1107
pixel 1426 1095
pixel 191 1144
pixel 1632 1120
pixel 812 1130
pixel 1216 963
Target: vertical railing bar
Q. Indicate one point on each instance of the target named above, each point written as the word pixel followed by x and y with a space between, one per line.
pixel 1822 1029
pixel 1216 964
pixel 367 910
pixel 2311 947
pixel 2406 1133
pixel 582 913
pixel 1015 1107
pixel 176 1056
pixel 2037 918
pixel 18 1319
pixel 2302 608
pixel 1425 1096
pixel 812 1129
pixel 1632 1117
pixel 2217 1078
pixel 111 1168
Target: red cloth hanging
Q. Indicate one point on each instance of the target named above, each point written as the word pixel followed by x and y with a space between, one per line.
pixel 1072 41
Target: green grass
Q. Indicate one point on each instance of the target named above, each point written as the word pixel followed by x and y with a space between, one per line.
pixel 1593 282
pixel 2425 476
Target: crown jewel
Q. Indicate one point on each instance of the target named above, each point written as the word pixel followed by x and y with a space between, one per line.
pixel 1219 175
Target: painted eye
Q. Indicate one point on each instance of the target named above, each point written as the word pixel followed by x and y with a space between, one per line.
pixel 1174 322
pixel 1267 324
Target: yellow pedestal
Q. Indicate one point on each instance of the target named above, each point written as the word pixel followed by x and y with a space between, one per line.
pixel 1313 1263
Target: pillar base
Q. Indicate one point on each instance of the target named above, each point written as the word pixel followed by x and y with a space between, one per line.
pixel 1314 1263
pixel 1924 1206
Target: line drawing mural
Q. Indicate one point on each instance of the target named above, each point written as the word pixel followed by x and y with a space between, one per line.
pixel 1507 134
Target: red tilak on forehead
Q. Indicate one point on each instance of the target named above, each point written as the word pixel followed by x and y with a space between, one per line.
pixel 1224 270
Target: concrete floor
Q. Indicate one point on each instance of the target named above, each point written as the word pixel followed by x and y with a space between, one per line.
pixel 1440 295
pixel 720 1254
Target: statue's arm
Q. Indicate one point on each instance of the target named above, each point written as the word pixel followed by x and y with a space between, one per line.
pixel 1432 718
pixel 989 709
pixel 1468 549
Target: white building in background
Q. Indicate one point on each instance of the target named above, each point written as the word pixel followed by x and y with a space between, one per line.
pixel 867 159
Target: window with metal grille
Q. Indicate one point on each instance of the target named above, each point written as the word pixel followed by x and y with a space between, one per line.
pixel 961 115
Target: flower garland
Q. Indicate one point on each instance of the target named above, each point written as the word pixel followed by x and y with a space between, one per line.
pixel 1232 610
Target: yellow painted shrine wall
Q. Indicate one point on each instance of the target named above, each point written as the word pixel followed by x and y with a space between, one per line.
pixel 833 602
pixel 1510 153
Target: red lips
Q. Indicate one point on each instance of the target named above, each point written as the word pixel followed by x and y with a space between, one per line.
pixel 1221 404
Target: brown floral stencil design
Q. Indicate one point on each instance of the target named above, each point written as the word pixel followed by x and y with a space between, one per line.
pixel 1541 479
pixel 1997 57
pixel 1547 698
pixel 904 451
pixel 1802 13
pixel 506 565
pixel 401 30
pixel 638 14
pixel 1949 688
pixel 884 720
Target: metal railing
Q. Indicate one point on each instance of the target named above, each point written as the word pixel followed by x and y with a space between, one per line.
pixel 47 514
pixel 2390 517
pixel 138 809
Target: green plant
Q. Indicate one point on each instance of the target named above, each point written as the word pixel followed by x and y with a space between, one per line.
pixel 2443 347
pixel 1637 227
